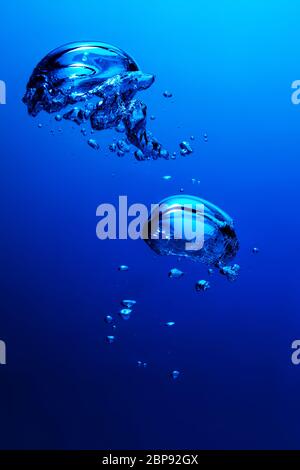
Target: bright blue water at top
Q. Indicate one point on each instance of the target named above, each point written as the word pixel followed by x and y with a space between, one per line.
pixel 229 66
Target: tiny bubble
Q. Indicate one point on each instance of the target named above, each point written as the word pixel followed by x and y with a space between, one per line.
pixel 123 267
pixel 175 273
pixel 93 144
pixel 202 285
pixel 175 374
pixel 185 148
pixel 108 319
pixel 125 313
pixel 110 339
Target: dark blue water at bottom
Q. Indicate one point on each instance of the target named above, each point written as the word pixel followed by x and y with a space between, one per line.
pixel 229 69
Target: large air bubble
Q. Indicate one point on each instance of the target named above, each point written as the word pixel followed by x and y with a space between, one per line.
pixel 220 243
pixel 95 82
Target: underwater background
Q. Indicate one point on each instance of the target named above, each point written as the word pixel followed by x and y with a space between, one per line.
pixel 229 66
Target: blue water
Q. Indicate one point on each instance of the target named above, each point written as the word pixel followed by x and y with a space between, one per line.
pixel 229 67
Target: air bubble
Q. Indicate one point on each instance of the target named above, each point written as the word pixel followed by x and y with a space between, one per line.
pixel 99 82
pixel 175 273
pixel 175 374
pixel 108 319
pixel 220 240
pixel 125 313
pixel 202 285
pixel 185 148
pixel 94 144
pixel 112 147
pixel 123 267
pixel 231 272
pixel 110 339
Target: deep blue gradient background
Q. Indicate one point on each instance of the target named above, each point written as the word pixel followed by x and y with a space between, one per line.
pixel 230 66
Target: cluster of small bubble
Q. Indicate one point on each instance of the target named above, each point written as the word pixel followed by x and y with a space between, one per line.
pixel 125 312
